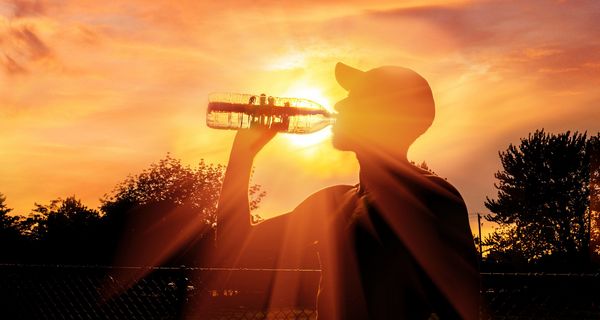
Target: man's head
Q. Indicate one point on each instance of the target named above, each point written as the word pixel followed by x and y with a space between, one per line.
pixel 386 110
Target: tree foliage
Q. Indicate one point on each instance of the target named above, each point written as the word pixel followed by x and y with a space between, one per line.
pixel 153 207
pixel 63 231
pixel 61 220
pixel 423 165
pixel 172 182
pixel 8 224
pixel 594 151
pixel 10 236
pixel 543 200
pixel 139 208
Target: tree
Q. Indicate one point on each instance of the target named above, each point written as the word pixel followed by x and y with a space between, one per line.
pixel 423 165
pixel 10 236
pixel 170 181
pixel 65 231
pixel 594 151
pixel 543 200
pixel 150 213
pixel 8 224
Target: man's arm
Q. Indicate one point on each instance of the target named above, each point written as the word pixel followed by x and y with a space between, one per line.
pixel 233 210
pixel 238 239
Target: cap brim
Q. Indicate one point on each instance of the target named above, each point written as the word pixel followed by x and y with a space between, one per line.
pixel 347 76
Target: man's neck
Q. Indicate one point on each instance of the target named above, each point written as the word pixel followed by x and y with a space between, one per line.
pixel 373 165
pixel 369 160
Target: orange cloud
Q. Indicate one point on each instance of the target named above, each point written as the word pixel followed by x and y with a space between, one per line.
pixel 11 66
pixel 24 8
pixel 23 48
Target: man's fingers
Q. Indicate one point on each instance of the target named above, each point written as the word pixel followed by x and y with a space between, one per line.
pixel 254 138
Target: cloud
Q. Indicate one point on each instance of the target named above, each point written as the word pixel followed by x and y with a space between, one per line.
pixel 24 50
pixel 533 38
pixel 32 45
pixel 26 8
pixel 11 67
pixel 492 23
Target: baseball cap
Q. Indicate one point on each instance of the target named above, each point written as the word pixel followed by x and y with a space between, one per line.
pixel 396 88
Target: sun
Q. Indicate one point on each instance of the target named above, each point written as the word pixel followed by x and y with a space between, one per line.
pixel 315 94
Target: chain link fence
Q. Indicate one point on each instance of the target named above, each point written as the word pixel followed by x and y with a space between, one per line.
pixel 540 296
pixel 92 292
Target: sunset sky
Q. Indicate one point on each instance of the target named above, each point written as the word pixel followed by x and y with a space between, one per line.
pixel 93 91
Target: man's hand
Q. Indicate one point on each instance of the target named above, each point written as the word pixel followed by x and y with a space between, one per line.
pixel 253 140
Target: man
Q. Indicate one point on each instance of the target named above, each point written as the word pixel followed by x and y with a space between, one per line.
pixel 397 245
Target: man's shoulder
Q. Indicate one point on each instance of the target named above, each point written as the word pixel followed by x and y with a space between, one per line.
pixel 442 184
pixel 437 189
pixel 329 196
pixel 333 191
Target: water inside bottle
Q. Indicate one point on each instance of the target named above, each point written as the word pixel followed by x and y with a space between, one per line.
pixel 243 111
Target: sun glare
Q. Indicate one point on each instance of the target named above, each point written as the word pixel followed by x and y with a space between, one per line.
pixel 315 94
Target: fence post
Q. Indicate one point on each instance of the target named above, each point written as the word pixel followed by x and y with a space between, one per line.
pixel 480 240
pixel 181 291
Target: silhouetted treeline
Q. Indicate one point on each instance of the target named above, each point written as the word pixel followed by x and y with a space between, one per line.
pixel 65 231
pixel 547 204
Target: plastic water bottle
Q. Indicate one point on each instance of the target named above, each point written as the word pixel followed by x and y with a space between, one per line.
pixel 242 111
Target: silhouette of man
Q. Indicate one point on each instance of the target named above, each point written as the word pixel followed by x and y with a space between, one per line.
pixel 395 246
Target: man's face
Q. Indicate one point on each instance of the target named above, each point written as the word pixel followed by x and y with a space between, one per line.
pixel 371 121
pixel 345 123
pixel 361 122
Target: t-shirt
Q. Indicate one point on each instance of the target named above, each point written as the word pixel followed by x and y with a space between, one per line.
pixel 404 251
